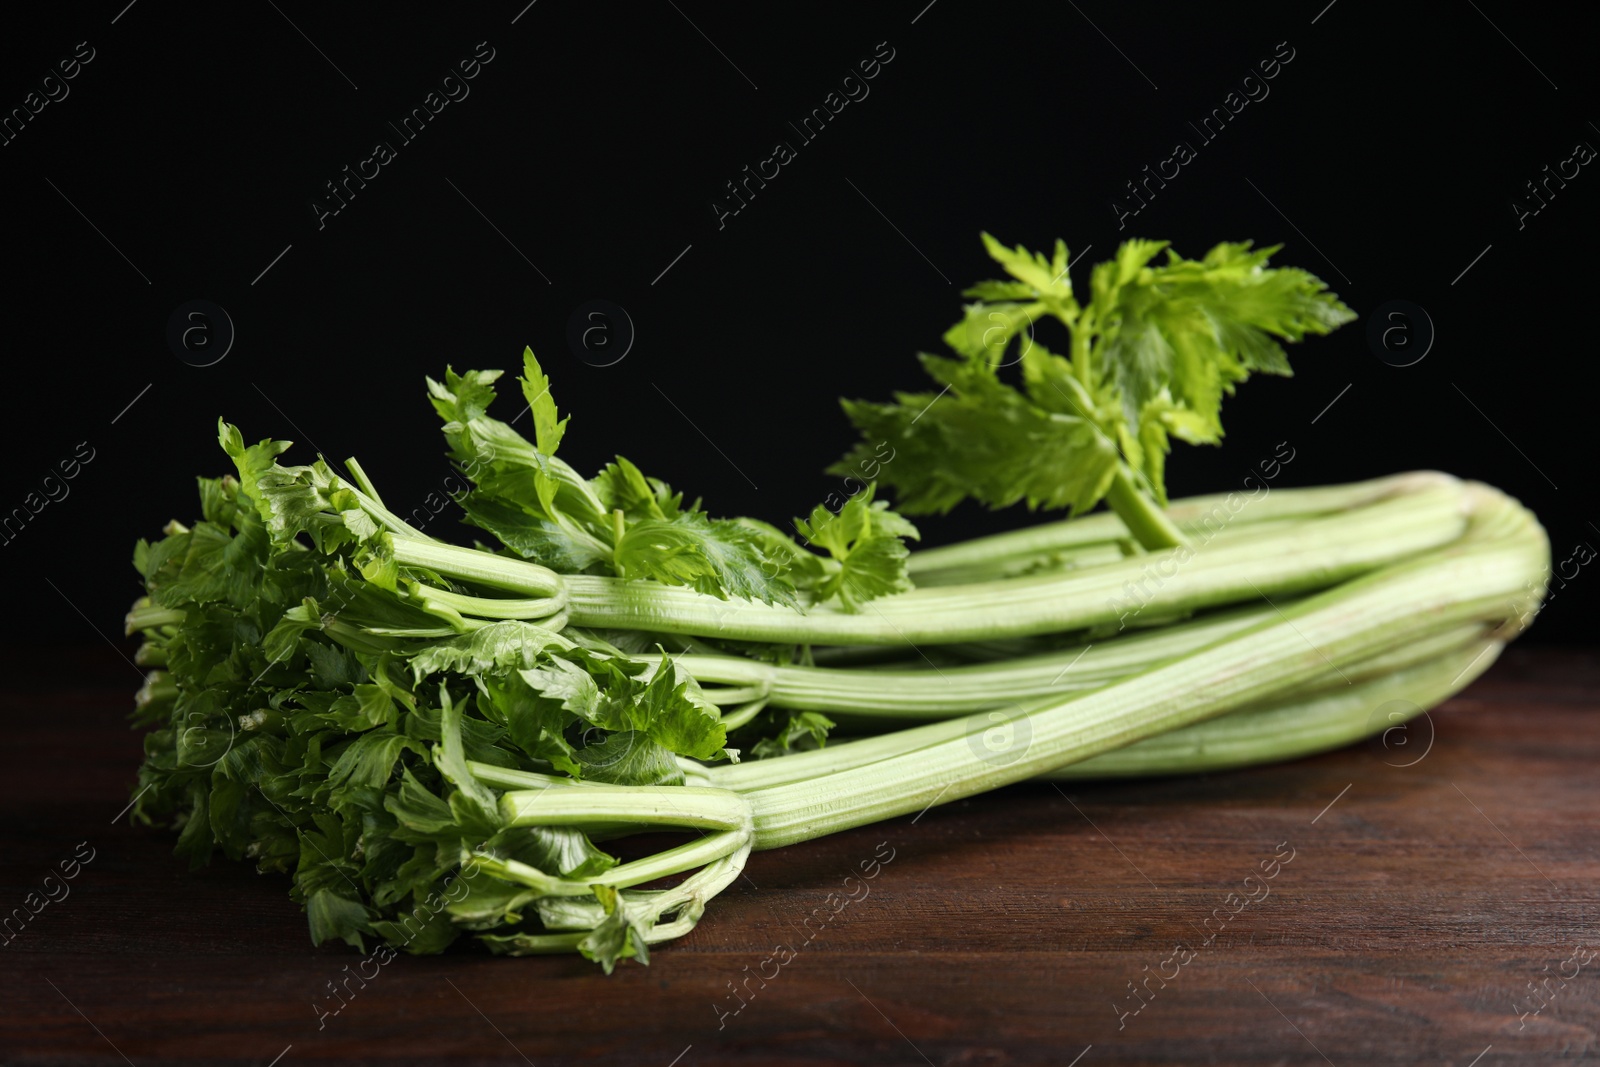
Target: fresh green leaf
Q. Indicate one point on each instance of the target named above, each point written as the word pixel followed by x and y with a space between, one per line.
pixel 369 760
pixel 451 760
pixel 866 542
pixel 556 850
pixel 500 646
pixel 548 429
pixel 618 937
pixel 333 915
pixel 983 439
pixel 718 557
pixel 803 730
pixel 1153 353
pixel 629 757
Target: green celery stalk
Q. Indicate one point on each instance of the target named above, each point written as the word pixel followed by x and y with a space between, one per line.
pixel 1427 513
pixel 1483 577
pixel 1283 731
pixel 1421 646
pixel 1482 580
pixel 1103 534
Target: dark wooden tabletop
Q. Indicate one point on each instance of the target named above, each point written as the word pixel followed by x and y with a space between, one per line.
pixel 1438 913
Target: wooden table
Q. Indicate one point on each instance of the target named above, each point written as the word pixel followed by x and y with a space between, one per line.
pixel 1419 904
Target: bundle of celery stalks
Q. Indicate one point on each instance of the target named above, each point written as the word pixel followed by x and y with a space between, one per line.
pixel 437 740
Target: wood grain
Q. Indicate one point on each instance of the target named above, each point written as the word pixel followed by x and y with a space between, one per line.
pixel 1005 930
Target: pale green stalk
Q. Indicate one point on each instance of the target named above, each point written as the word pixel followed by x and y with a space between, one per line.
pixel 931 692
pixel 1339 716
pixel 1421 646
pixel 1101 536
pixel 1307 556
pixel 1484 579
pixel 1481 578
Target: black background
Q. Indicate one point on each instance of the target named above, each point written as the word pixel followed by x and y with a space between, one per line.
pixel 593 145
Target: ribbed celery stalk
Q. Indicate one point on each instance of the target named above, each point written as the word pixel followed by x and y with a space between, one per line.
pixel 1102 536
pixel 1420 514
pixel 921 692
pixel 1482 577
pixel 1285 731
pixel 1422 645
pixel 1459 603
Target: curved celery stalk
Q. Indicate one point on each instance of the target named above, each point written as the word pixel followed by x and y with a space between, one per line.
pixel 1297 728
pixel 929 693
pixel 1423 514
pixel 569 908
pixel 1483 577
pixel 574 920
pixel 1478 583
pixel 1422 646
pixel 1386 521
pixel 1099 537
pixel 891 696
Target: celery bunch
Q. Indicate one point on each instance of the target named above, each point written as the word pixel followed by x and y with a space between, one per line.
pixel 397 721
